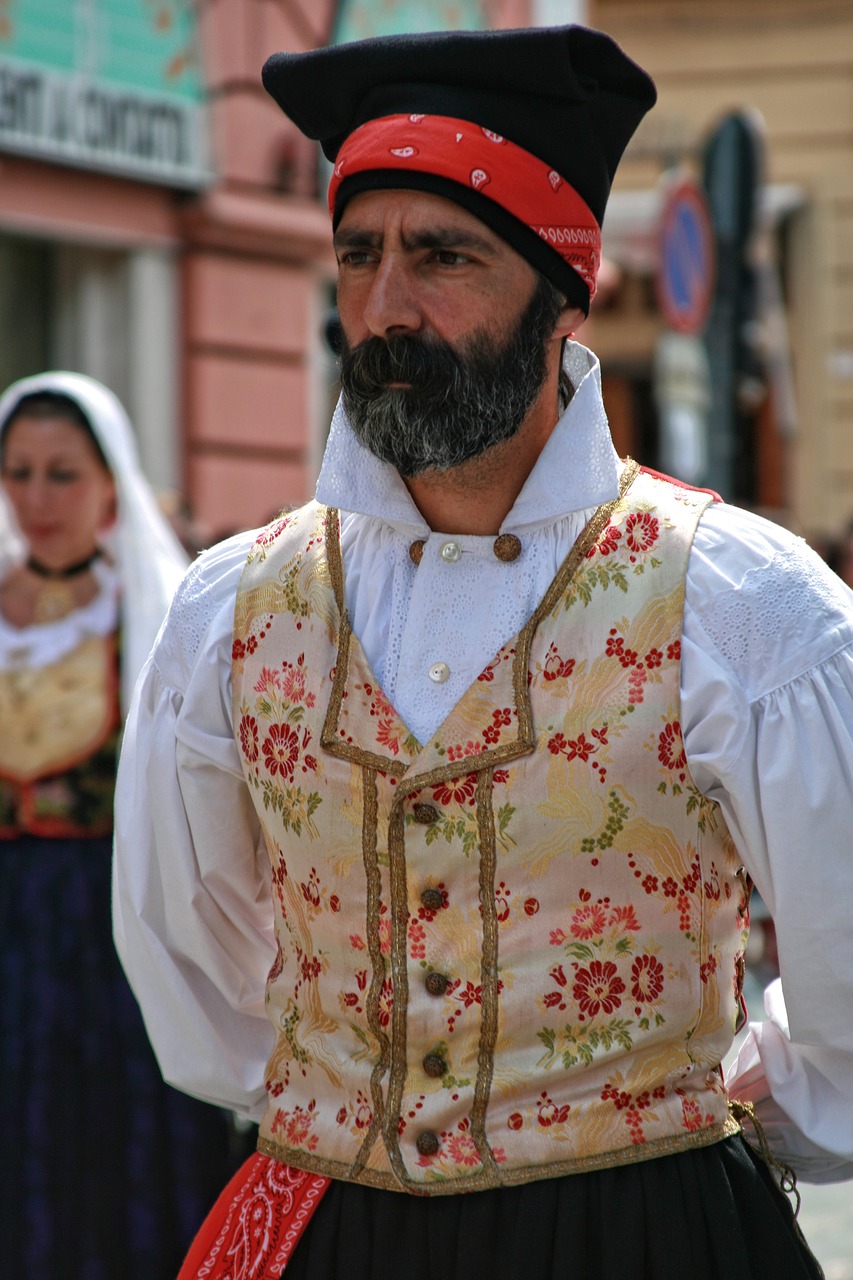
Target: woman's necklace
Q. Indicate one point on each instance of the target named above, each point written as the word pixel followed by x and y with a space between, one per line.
pixel 56 597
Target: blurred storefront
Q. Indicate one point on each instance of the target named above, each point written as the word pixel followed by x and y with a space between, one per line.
pixel 158 231
pixel 259 270
pixel 161 227
pixel 102 123
pixel 783 71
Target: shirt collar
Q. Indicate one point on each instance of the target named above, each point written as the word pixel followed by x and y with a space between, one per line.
pixel 577 469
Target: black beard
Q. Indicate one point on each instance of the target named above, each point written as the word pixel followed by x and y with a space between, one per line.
pixel 456 404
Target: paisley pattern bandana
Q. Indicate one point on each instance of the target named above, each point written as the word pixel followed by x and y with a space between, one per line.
pixel 255 1224
pixel 486 162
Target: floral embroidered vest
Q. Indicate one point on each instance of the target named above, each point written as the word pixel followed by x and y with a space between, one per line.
pixel 512 952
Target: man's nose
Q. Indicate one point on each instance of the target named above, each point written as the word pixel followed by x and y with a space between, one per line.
pixel 392 305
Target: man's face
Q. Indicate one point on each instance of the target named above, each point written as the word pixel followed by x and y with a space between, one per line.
pixel 446 330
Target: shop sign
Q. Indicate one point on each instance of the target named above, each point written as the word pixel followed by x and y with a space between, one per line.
pixel 105 84
pixel 359 19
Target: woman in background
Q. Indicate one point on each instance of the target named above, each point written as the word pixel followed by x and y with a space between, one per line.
pixel 107 1171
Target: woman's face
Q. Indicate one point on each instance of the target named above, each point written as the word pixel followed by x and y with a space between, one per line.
pixel 59 488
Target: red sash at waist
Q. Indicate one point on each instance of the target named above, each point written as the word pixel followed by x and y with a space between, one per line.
pixel 254 1226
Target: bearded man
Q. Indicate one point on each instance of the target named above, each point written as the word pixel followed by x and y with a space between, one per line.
pixel 442 795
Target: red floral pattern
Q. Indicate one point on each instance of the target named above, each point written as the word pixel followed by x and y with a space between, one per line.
pixel 295 1127
pixel 458 1153
pixel 646 979
pixel 587 750
pixel 549 1113
pixel 600 900
pixel 249 739
pixel 357 1116
pixel 281 750
pixel 607 543
pixel 598 989
pixel 589 921
pixel 557 667
pixel 671 751
pixel 642 531
pixel 456 790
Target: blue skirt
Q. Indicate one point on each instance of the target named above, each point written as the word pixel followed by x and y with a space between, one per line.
pixel 714 1213
pixel 106 1172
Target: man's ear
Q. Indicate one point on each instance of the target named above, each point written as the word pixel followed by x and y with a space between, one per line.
pixel 569 319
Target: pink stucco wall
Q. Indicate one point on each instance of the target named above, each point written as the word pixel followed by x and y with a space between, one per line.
pixel 257 256
pixel 254 260
pixel 60 203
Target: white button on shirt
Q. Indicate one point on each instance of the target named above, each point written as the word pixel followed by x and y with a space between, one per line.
pixel 439 672
pixel 451 552
pixel 767 718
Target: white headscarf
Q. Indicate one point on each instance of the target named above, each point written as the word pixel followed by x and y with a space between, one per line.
pixel 11 547
pixel 149 559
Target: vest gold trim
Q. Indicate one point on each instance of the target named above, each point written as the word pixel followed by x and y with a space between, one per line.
pixel 513 1177
pixel 590 928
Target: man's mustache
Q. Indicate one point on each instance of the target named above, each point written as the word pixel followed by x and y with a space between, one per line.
pixel 428 366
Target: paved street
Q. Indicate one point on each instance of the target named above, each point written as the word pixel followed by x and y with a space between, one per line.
pixel 826 1215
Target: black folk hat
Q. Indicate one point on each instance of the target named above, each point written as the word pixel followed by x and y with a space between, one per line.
pixel 563 100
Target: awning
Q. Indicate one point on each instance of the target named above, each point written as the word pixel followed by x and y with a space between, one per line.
pixel 632 222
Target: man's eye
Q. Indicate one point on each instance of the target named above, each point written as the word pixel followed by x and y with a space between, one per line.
pixel 450 257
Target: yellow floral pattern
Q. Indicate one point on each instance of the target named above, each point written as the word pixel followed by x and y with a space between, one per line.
pixel 512 951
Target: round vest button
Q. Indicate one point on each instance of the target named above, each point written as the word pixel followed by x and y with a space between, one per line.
pixel 434 1065
pixel 424 813
pixel 436 984
pixel 432 899
pixel 427 1143
pixel 507 547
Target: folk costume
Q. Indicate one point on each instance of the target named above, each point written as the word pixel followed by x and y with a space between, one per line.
pixel 467 824
pixel 107 1171
pixel 747 584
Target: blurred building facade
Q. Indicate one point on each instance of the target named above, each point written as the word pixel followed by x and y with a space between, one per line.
pixel 791 62
pixel 162 227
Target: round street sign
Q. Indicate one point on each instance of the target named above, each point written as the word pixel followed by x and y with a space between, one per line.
pixel 685 277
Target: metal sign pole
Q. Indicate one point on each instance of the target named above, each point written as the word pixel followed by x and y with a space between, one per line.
pixel 732 175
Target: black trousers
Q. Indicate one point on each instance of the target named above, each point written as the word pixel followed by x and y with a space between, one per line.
pixel 715 1213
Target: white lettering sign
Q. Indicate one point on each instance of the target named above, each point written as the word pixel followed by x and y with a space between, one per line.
pixel 77 121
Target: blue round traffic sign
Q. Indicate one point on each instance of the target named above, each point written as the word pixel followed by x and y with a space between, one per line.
pixel 685 277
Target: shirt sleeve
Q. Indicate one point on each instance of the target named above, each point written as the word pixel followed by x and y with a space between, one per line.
pixel 192 907
pixel 767 704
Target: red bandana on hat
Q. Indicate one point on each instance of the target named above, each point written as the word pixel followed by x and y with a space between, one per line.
pixel 474 157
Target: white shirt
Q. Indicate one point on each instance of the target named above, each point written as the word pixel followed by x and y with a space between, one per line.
pixel 767 710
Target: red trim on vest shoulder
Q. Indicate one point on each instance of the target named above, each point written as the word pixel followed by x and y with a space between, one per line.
pixel 691 488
